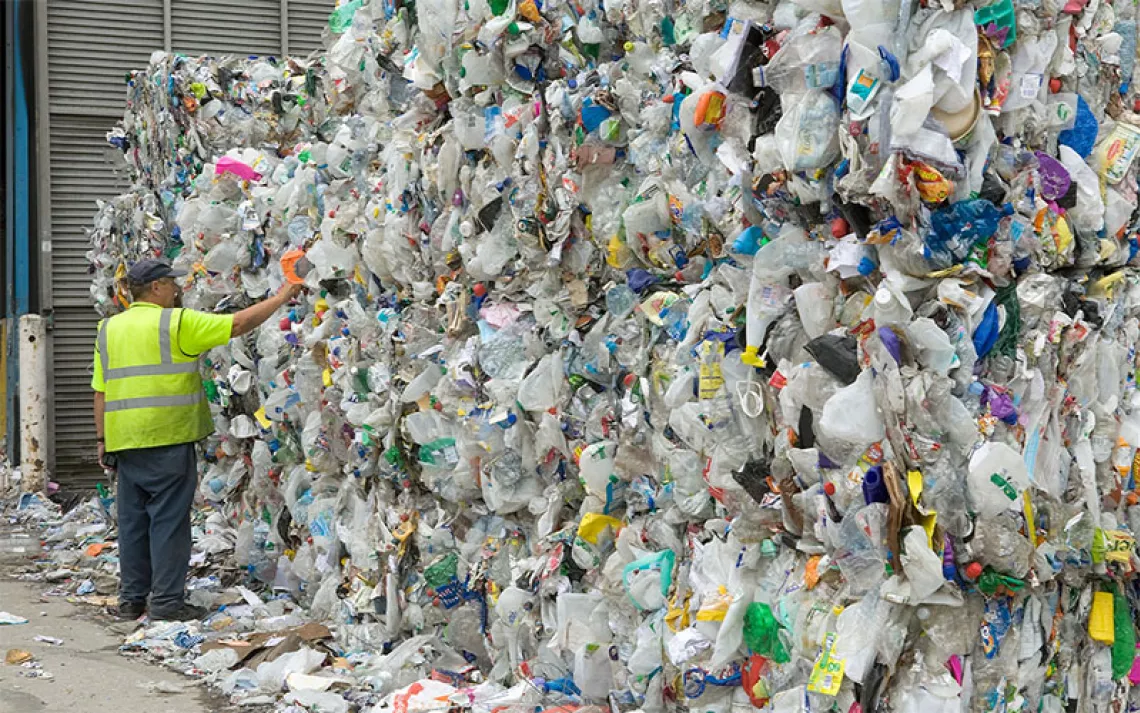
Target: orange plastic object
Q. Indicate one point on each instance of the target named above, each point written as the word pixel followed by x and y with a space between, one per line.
pixel 293 263
pixel 710 110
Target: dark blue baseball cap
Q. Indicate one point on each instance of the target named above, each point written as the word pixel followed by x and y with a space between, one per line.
pixel 149 270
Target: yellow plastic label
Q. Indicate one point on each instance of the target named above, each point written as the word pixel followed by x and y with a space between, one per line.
pixel 1118 546
pixel 259 414
pixel 827 674
pixel 1115 153
pixel 710 378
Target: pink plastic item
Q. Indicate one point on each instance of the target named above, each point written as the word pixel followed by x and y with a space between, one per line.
pixel 955 665
pixel 228 165
pixel 1134 674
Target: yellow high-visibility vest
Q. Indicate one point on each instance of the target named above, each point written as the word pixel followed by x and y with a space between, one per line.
pixel 153 392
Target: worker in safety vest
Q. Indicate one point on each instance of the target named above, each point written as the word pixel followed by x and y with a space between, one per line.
pixel 150 411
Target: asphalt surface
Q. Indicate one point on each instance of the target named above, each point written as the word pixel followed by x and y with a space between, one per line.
pixel 88 674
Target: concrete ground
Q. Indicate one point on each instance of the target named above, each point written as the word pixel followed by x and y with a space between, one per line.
pixel 89 675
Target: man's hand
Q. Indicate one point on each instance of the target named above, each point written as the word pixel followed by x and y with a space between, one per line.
pixel 290 290
pixel 103 457
pixel 249 318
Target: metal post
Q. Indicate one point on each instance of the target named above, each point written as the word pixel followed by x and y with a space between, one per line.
pixel 8 20
pixel 20 274
pixel 17 251
pixel 33 403
pixel 43 157
pixel 43 138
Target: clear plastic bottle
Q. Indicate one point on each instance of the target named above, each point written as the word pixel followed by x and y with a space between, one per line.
pixel 620 301
pixel 859 550
pixel 262 564
pixel 890 306
pixel 952 629
pixel 999 543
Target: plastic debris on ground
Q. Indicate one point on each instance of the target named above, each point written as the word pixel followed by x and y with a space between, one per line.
pixel 659 356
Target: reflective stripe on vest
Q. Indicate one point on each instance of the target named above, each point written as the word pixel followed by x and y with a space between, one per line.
pixel 166 367
pixel 153 402
pixel 153 393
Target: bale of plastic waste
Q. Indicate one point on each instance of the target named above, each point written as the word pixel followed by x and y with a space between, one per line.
pixel 627 323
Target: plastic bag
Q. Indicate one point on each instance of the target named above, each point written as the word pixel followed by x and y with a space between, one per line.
pixel 851 416
pixel 762 633
pixel 807 132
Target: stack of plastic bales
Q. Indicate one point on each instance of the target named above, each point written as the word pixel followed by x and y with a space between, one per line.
pixel 675 355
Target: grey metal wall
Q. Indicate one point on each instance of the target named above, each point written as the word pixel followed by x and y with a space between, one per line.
pixel 85 48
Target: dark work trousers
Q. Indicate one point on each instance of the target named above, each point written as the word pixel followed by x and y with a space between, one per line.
pixel 156 491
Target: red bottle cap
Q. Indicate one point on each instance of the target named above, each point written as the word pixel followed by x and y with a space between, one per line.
pixel 839 228
pixel 974 570
pixel 829 488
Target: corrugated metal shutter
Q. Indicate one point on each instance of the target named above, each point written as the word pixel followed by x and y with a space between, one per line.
pixel 88 60
pixel 218 27
pixel 307 19
pixel 89 55
pixel 80 173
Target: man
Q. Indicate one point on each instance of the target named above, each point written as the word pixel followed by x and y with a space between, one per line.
pixel 150 411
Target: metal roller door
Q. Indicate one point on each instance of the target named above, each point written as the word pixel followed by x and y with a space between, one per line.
pixel 87 60
pixel 219 27
pixel 307 20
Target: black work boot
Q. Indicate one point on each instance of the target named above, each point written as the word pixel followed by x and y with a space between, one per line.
pixel 129 610
pixel 187 612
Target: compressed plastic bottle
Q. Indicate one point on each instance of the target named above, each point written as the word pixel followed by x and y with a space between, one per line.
pixel 262 563
pixel 999 543
pixel 891 306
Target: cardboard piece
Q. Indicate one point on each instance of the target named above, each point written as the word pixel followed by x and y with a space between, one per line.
pixel 268 646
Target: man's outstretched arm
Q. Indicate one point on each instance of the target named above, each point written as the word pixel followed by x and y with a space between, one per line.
pixel 251 317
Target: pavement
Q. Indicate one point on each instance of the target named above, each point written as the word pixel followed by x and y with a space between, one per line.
pixel 89 675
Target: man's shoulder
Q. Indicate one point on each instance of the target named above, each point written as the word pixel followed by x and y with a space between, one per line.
pixel 197 314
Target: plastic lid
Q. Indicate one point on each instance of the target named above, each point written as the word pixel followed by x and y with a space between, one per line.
pixel 829 488
pixel 974 570
pixel 751 356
